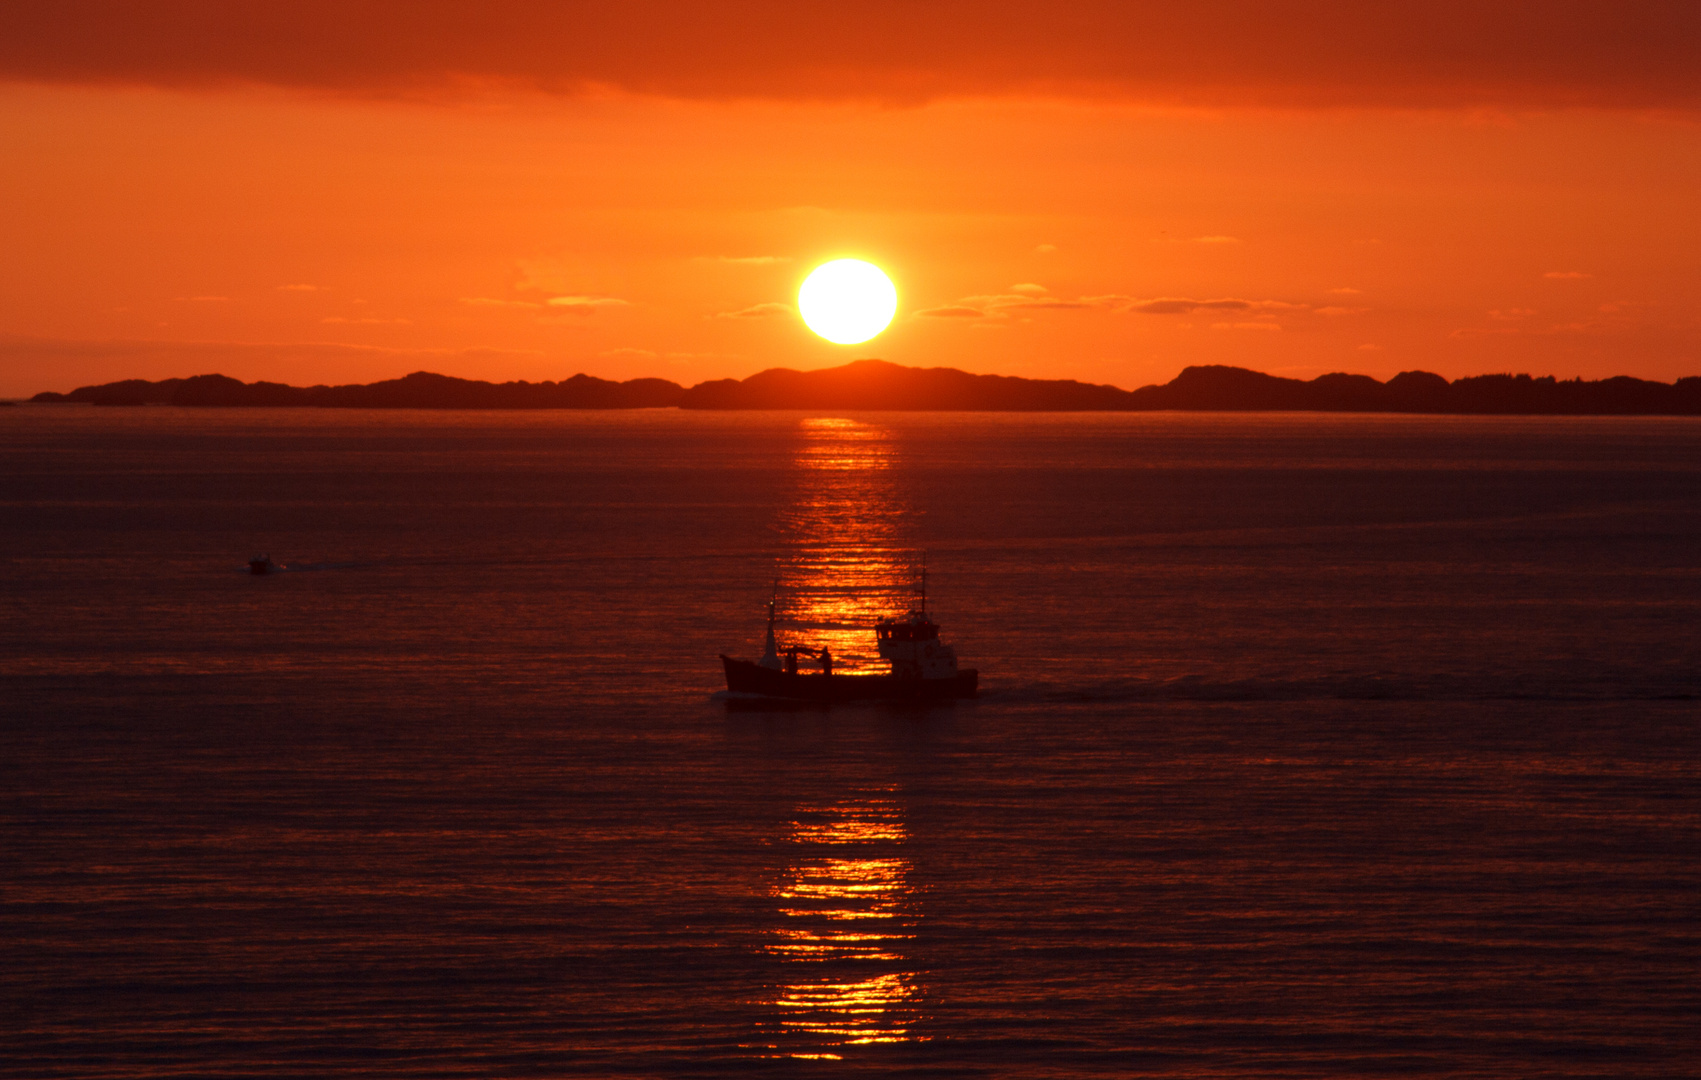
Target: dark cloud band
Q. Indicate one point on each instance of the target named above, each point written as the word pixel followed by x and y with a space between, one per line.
pixel 1319 53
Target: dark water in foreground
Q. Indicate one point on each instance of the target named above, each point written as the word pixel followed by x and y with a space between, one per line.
pixel 1309 746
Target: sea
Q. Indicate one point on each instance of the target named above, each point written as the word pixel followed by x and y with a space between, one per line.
pixel 1308 745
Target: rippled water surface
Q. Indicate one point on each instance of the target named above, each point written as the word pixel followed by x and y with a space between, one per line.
pixel 1308 746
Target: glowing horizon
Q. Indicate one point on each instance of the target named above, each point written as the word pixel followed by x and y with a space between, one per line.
pixel 1108 200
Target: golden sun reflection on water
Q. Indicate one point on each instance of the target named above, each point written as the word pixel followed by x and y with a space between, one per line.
pixel 848 911
pixel 848 542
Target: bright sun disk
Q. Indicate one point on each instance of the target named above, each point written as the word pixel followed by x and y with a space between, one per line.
pixel 847 301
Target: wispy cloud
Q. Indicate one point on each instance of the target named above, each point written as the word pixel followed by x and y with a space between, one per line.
pixel 1246 326
pixel 298 288
pixel 1621 307
pixel 201 299
pixel 1033 297
pixel 21 345
pixel 688 357
pixel 757 311
pixel 1345 291
pixel 1183 305
pixel 752 260
pixel 951 311
pixel 1216 239
pixel 630 353
pixel 1021 298
pixel 1045 249
pixel 338 320
pixel 583 305
pixel 1566 274
pixel 485 301
pixel 1532 331
pixel 1052 304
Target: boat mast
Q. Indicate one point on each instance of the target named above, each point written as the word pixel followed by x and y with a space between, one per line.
pixel 771 649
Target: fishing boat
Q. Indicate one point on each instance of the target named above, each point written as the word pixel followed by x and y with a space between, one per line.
pixel 923 667
pixel 262 564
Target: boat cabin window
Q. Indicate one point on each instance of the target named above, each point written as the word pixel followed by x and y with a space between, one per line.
pixel 907 632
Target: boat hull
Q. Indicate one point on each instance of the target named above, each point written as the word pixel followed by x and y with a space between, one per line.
pixel 743 677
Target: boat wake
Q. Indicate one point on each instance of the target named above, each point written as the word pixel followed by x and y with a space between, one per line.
pixel 1602 686
pixel 304 568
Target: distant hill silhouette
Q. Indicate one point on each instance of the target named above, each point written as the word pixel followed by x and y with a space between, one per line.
pixel 421 390
pixel 1232 389
pixel 875 384
pixel 878 385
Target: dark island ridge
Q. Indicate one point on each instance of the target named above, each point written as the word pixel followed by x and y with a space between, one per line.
pixel 876 385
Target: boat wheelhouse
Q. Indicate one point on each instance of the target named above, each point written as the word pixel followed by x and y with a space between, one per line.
pixel 911 642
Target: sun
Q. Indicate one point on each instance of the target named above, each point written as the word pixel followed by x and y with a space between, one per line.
pixel 847 301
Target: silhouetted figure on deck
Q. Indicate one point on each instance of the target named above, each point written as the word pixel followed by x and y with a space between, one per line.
pixel 826 661
pixel 791 661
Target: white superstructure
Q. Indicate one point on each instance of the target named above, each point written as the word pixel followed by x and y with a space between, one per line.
pixel 911 642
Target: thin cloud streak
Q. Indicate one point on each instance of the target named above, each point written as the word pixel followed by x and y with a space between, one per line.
pixel 1177 305
pixel 753 260
pixel 485 301
pixel 583 305
pixel 951 311
pixel 757 311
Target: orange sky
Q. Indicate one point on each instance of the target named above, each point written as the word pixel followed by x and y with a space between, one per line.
pixel 515 190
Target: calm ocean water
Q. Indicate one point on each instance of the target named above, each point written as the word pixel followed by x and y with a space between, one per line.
pixel 1308 746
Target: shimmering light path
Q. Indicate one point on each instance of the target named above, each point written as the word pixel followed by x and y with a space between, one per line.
pixel 849 916
pixel 849 541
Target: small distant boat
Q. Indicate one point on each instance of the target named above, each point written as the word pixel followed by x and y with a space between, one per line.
pixel 923 667
pixel 262 564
